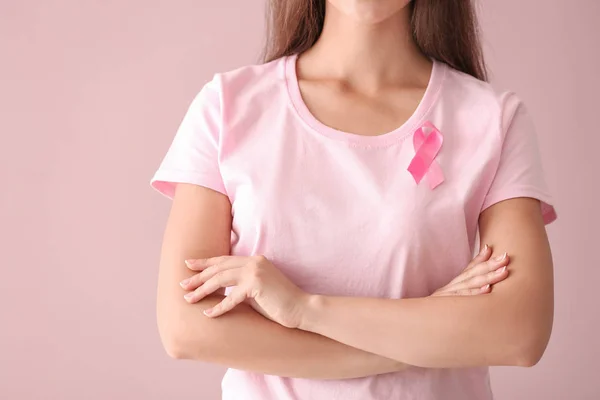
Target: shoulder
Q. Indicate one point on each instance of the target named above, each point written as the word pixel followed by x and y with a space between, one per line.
pixel 249 82
pixel 479 101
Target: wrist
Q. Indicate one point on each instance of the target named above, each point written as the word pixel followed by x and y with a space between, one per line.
pixel 310 312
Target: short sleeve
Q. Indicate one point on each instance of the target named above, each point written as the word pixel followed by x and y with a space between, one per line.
pixel 519 172
pixel 193 156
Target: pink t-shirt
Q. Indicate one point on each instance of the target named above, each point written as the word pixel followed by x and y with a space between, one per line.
pixel 341 214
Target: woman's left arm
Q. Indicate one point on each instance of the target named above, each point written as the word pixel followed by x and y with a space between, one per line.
pixel 509 326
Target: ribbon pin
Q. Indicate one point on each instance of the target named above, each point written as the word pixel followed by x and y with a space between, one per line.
pixel 427 148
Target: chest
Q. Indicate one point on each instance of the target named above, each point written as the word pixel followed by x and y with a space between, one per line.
pixel 344 220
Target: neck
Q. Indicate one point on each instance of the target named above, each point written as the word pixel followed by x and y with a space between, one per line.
pixel 367 55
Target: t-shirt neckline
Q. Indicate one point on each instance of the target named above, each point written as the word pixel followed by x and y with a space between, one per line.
pixel 429 98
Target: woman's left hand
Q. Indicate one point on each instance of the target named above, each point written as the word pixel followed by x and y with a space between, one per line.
pixel 255 279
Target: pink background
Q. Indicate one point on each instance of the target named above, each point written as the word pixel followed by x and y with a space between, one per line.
pixel 90 96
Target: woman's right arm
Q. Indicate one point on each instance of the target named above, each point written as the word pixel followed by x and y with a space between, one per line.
pixel 199 226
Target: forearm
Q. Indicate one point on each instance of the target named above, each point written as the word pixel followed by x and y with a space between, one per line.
pixel 434 332
pixel 244 339
pixel 509 326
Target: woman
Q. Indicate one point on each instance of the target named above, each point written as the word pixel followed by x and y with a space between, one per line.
pixel 338 192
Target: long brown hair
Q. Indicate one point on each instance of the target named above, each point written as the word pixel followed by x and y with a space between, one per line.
pixel 445 30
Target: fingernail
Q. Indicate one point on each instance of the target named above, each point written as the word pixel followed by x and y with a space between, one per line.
pixel 189 295
pixel 501 270
pixel 189 262
pixel 484 249
pixel 208 311
pixel 486 287
pixel 184 282
pixel 500 257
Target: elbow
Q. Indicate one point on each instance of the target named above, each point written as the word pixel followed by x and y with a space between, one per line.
pixel 526 336
pixel 527 359
pixel 530 355
pixel 177 339
pixel 183 337
pixel 173 331
pixel 173 342
pixel 531 348
pixel 175 348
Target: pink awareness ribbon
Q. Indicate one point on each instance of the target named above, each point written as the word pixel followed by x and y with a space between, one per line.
pixel 427 148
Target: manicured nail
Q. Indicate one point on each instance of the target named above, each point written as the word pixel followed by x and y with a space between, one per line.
pixel 189 295
pixel 500 257
pixel 189 263
pixel 501 270
pixel 208 311
pixel 484 249
pixel 486 287
pixel 184 282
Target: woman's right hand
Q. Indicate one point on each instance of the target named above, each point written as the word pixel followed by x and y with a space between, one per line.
pixel 479 276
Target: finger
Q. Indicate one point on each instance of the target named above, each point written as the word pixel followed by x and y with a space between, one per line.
pixel 203 276
pixel 198 264
pixel 465 292
pixel 484 255
pixel 473 292
pixel 482 268
pixel 220 280
pixel 236 297
pixel 479 281
pixel 203 263
pixel 499 261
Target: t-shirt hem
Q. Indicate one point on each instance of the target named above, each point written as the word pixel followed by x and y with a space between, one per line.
pixel 548 211
pixel 165 181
